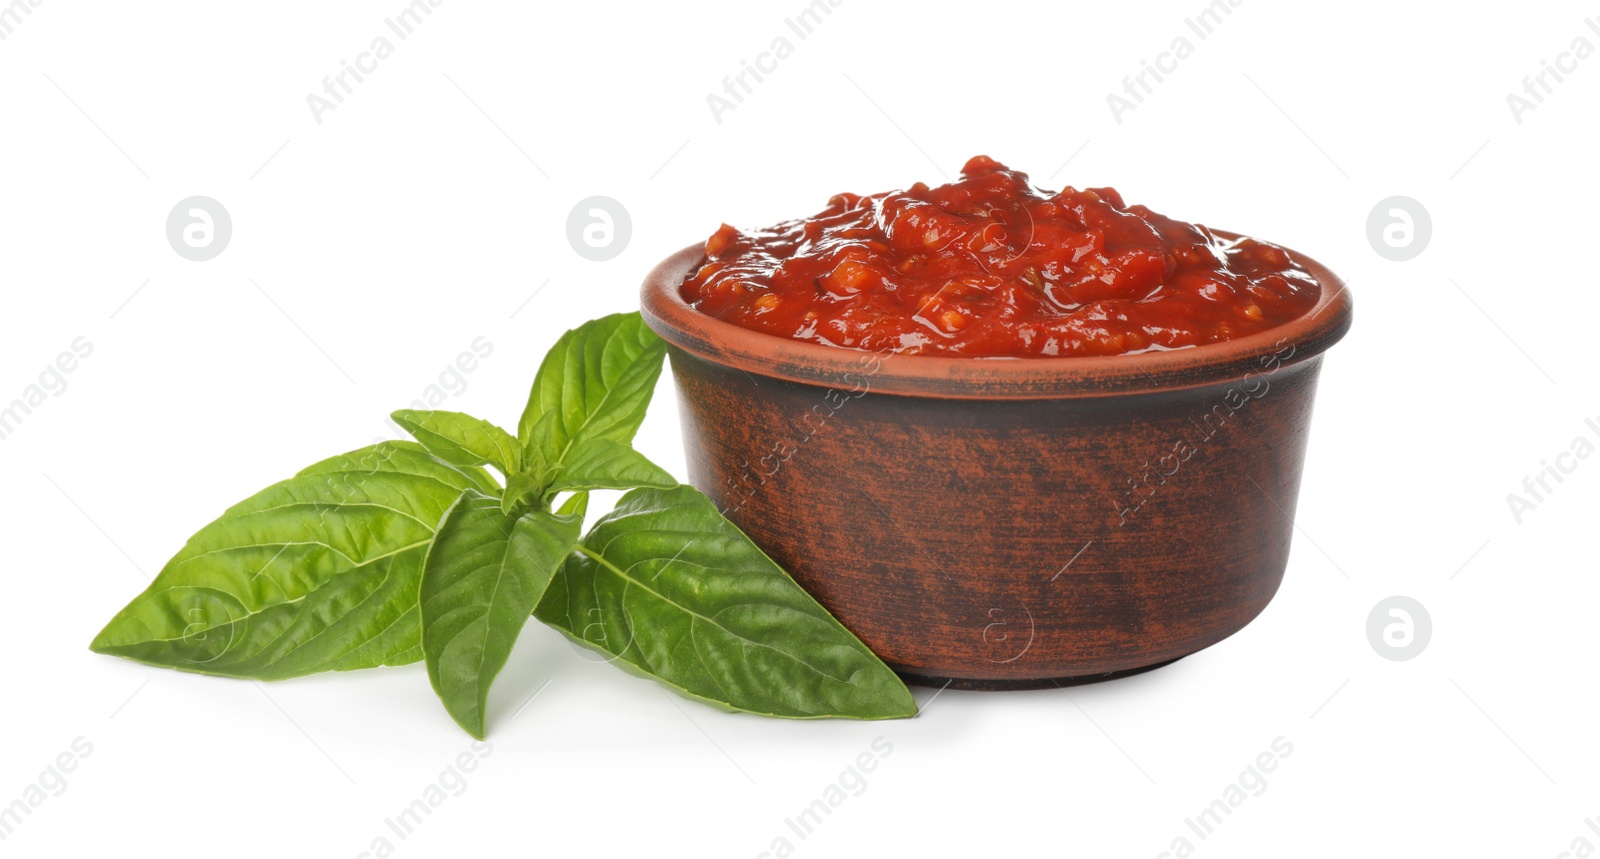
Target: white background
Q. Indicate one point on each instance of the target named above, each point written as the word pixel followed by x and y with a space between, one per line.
pixel 370 249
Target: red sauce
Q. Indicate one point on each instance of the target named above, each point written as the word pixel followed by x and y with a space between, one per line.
pixel 989 266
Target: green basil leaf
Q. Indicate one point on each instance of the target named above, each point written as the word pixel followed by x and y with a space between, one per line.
pixel 673 591
pixel 537 459
pixel 316 573
pixel 606 464
pixel 521 491
pixel 595 383
pixel 461 439
pixel 484 574
pixel 577 504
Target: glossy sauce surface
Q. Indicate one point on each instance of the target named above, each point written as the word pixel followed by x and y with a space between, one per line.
pixel 989 266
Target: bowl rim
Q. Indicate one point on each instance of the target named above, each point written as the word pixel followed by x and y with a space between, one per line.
pixel 990 378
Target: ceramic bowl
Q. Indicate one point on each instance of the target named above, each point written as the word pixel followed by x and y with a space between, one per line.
pixel 997 523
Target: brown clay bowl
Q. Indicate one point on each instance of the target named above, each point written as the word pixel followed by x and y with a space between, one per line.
pixel 1008 523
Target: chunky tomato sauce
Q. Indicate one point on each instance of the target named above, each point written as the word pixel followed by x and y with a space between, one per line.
pixel 989 266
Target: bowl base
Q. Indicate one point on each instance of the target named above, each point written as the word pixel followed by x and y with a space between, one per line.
pixel 973 685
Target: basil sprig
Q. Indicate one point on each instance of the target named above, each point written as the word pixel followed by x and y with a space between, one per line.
pixel 407 551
